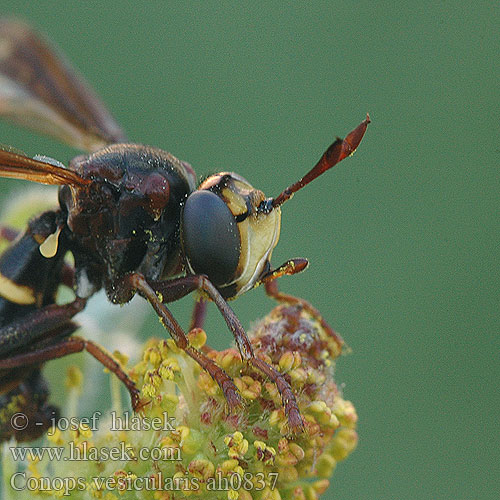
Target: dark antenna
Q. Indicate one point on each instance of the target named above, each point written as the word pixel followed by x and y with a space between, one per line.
pixel 340 149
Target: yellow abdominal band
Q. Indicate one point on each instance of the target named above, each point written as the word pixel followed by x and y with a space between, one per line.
pixel 13 292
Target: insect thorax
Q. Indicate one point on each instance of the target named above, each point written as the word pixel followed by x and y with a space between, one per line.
pixel 127 219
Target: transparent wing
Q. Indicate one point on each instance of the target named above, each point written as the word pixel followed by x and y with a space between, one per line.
pixel 38 89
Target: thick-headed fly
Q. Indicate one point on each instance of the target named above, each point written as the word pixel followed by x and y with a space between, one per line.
pixel 135 222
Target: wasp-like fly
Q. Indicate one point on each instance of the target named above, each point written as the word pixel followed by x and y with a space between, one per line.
pixel 135 221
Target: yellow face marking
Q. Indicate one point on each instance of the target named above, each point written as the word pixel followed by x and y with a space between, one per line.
pixel 259 233
pixel 235 202
pixel 13 292
pixel 258 239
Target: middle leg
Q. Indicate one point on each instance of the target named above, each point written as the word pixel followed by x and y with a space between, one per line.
pixel 198 319
pixel 199 313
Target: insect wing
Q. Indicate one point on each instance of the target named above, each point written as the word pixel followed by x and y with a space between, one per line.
pixel 38 89
pixel 17 166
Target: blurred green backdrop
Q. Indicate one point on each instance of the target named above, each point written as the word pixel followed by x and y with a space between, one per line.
pixel 402 238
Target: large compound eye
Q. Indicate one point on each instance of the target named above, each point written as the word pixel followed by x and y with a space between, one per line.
pixel 210 237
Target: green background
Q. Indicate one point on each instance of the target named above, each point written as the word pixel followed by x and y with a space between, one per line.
pixel 402 238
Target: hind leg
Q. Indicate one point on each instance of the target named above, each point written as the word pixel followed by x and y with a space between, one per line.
pixel 39 331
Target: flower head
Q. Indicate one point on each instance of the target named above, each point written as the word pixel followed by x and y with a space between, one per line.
pixel 185 444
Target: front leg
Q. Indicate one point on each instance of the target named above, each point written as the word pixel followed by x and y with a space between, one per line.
pixel 123 290
pixel 289 268
pixel 172 290
pixel 272 290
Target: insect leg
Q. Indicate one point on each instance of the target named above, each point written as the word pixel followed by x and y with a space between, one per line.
pixel 177 288
pixel 69 346
pixel 199 313
pixel 136 282
pixel 36 325
pixel 273 291
pixel 198 319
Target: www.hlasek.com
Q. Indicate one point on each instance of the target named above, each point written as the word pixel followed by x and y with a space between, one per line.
pixel 83 451
pixel 20 481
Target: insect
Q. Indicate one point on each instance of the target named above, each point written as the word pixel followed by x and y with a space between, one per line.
pixel 135 222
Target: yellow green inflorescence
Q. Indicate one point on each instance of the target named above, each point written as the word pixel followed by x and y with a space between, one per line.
pixel 202 452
